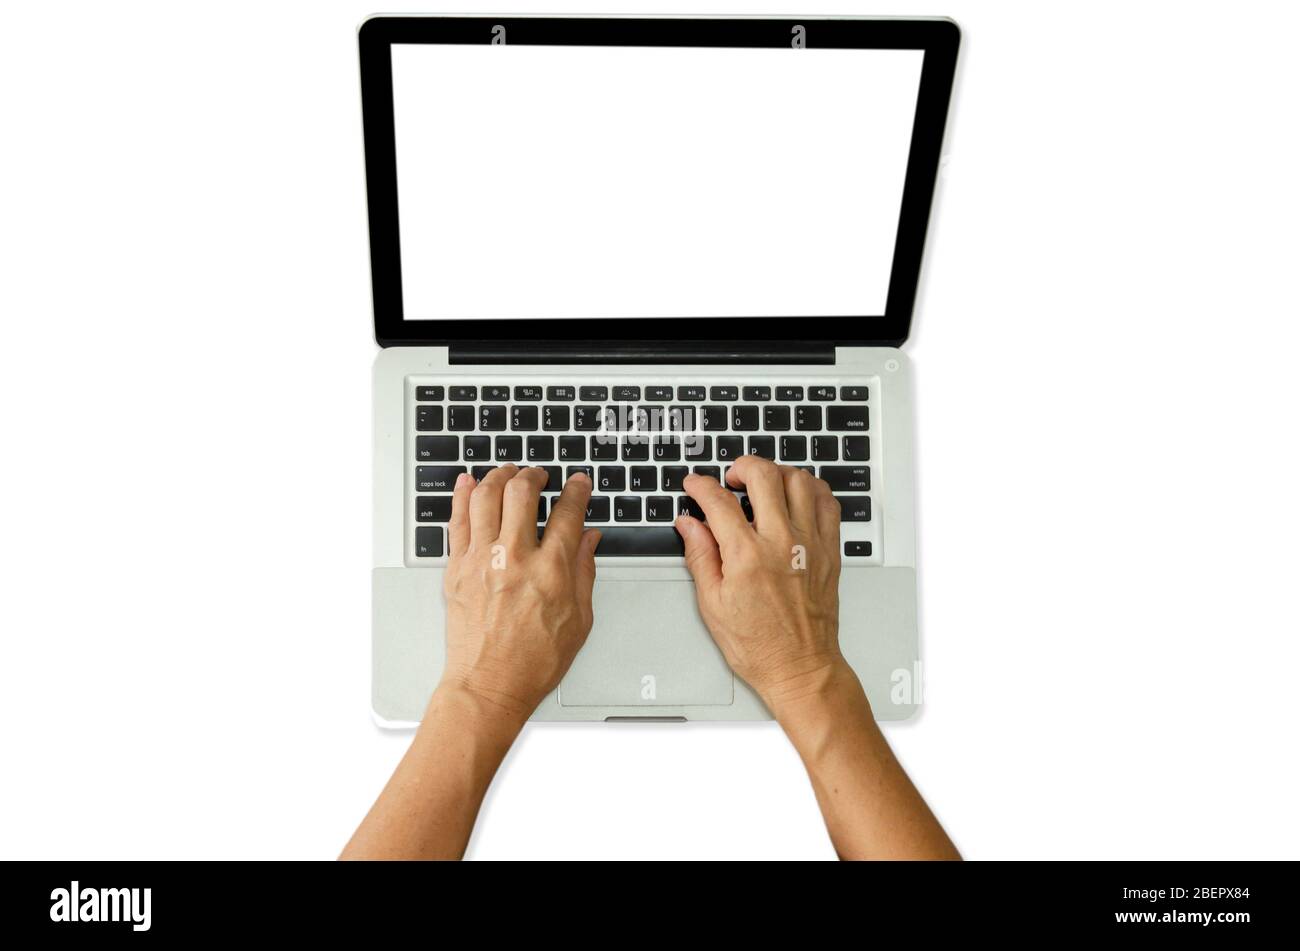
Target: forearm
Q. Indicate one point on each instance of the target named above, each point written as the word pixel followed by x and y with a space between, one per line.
pixel 871 808
pixel 428 808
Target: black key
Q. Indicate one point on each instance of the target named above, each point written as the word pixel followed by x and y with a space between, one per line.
pixel 847 478
pixel 428 541
pixel 857 448
pixel 794 448
pixel 724 394
pixel 460 418
pixel 480 472
pixel 744 418
pixel 428 419
pixel 478 447
pixel 427 394
pixel 619 419
pixel 757 394
pixel 807 417
pixel 554 478
pixel 541 508
pixel 541 448
pixel 855 508
pixel 695 393
pixel 496 394
pixel 587 470
pixel 528 394
pixel 668 449
pixel 631 541
pixel 593 392
pixel 713 472
pixel 573 449
pixel 747 508
pixel 713 419
pixel 681 419
pixel 437 448
pixel 627 508
pixel 563 393
pixel 821 394
pixel 788 394
pixel 776 419
pixel 627 393
pixel 436 478
pixel 604 449
pixel 523 419
pixel 661 394
pixel 586 418
pixel 433 508
pixel 463 394
pixel 650 419
pixel 643 478
pixel 698 448
pixel 840 418
pixel 636 448
pixel 673 476
pixel 555 418
pixel 730 447
pixel 854 394
pixel 598 508
pixel 688 506
pixel 509 449
pixel 825 448
pixel 658 508
pixel 611 479
pixel 857 548
pixel 764 446
pixel 491 419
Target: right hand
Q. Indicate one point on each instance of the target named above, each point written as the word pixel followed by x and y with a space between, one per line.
pixel 769 592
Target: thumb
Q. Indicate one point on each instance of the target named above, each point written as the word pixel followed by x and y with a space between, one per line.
pixel 585 562
pixel 703 559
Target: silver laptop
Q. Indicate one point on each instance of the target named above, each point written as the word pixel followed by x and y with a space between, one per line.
pixel 643 247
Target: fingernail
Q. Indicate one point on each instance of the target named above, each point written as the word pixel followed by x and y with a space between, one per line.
pixel 580 475
pixel 462 479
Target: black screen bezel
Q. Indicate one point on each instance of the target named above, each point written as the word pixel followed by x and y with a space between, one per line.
pixel 938 38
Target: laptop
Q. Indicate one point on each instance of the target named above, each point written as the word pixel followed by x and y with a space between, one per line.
pixel 642 247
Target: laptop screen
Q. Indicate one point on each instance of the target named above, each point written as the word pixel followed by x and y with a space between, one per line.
pixel 628 182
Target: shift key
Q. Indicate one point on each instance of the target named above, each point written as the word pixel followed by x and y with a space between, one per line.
pixel 855 508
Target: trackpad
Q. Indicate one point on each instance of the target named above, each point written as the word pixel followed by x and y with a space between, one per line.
pixel 648 647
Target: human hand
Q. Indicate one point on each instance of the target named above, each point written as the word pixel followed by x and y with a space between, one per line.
pixel 769 592
pixel 518 610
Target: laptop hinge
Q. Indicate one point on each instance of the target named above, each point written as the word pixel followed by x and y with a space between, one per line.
pixel 525 351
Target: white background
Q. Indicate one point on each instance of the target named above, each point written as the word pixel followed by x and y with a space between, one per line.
pixel 613 181
pixel 1106 356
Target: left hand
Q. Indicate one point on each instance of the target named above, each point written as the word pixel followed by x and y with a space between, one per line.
pixel 518 609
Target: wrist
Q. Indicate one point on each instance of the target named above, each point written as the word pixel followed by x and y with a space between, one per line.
pixel 483 712
pixel 827 693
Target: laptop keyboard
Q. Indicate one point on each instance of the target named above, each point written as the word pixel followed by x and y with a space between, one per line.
pixel 638 442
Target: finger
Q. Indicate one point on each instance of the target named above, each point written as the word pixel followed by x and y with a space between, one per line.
pixel 828 514
pixel 519 503
pixel 485 505
pixel 458 527
pixel 568 512
pixel 703 558
pixel 721 508
pixel 801 499
pixel 766 490
pixel 585 564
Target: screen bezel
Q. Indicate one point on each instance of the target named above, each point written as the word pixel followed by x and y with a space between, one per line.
pixel 938 39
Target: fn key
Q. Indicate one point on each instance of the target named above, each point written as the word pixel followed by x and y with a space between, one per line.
pixel 428 541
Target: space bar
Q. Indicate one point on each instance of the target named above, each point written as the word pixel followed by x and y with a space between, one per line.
pixel 638 540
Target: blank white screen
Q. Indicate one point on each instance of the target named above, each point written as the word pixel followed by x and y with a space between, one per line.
pixel 595 182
